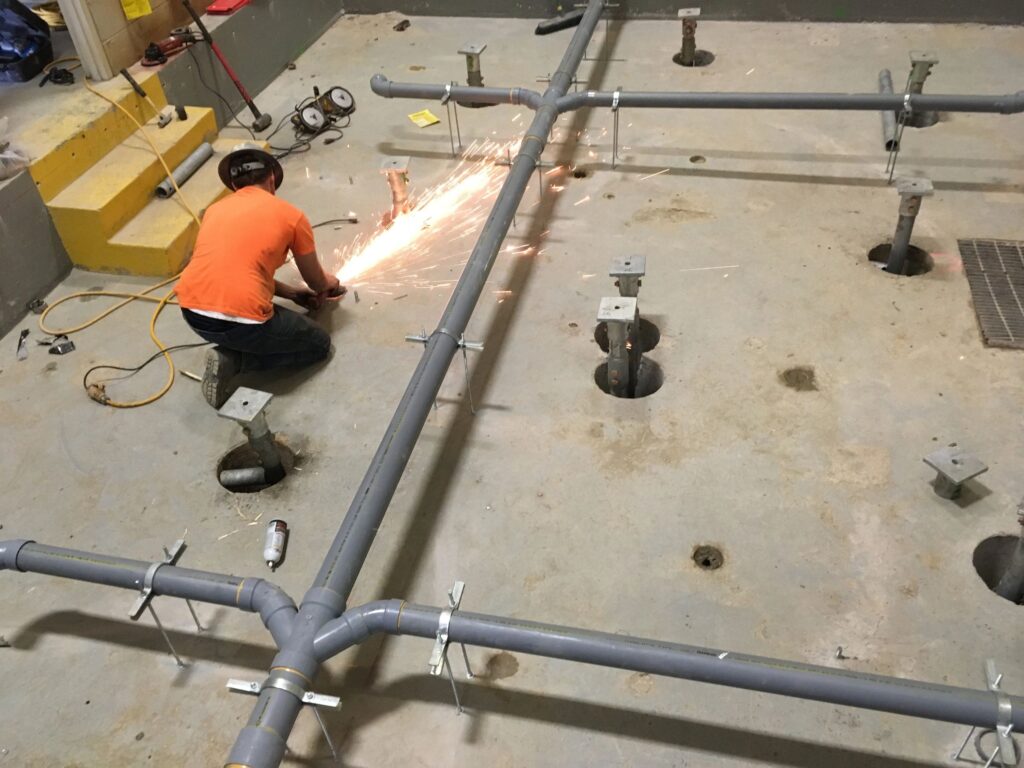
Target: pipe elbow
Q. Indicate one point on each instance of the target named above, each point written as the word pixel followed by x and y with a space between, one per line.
pixel 529 98
pixel 9 553
pixel 276 608
pixel 355 625
pixel 381 85
pixel 570 102
pixel 267 599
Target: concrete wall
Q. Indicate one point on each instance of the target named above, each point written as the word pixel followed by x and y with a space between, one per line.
pixel 32 258
pixel 984 11
pixel 258 40
pixel 124 41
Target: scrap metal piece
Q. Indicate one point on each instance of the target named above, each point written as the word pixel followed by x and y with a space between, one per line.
pixel 61 345
pixel 22 352
pixel 954 466
pixel 396 169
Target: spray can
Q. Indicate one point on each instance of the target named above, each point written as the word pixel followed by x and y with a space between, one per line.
pixel 274 543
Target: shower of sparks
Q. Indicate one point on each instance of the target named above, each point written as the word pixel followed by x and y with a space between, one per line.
pixel 406 253
pixel 652 175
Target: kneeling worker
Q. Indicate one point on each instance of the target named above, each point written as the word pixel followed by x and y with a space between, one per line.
pixel 226 290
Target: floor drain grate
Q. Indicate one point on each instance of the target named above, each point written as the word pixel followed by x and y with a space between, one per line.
pixel 995 272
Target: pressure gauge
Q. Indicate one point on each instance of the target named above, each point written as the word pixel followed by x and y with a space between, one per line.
pixel 339 100
pixel 311 119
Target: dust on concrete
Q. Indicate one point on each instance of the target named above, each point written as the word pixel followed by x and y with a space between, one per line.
pixel 865 466
pixel 801 378
pixel 677 211
pixel 640 683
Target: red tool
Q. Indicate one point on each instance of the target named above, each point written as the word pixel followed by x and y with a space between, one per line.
pixel 263 120
pixel 225 6
pixel 157 53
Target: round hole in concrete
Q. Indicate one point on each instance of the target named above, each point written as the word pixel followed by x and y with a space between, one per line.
pixel 648 381
pixel 649 335
pixel 919 261
pixel 992 557
pixel 580 173
pixel 698 159
pixel 700 59
pixel 243 456
pixel 708 558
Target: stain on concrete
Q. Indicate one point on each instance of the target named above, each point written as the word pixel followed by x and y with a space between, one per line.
pixel 640 683
pixel 860 465
pixel 801 378
pixel 90 289
pixel 910 589
pixel 677 211
pixel 501 666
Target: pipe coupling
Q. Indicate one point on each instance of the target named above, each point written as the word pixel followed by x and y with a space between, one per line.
pixel 9 553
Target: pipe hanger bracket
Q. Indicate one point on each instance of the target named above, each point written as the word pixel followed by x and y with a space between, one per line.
pixel 306 697
pixel 171 557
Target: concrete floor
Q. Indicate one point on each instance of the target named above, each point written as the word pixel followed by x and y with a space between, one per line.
pixel 557 502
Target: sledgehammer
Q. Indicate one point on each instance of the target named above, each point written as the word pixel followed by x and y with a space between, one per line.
pixel 263 120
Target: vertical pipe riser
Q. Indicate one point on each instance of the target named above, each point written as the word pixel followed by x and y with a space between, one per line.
pixel 897 261
pixel 889 128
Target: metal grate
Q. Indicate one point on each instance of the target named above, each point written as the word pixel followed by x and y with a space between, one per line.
pixel 995 272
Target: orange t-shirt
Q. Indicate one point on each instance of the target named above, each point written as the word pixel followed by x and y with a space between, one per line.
pixel 242 242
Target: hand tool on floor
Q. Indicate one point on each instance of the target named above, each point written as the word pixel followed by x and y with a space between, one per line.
pixel 163 116
pixel 263 120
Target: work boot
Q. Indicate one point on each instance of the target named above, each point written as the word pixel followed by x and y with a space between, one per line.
pixel 218 376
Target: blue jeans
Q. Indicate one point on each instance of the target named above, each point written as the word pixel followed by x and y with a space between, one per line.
pixel 286 340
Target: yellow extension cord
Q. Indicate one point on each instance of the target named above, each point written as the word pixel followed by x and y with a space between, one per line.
pixel 97 392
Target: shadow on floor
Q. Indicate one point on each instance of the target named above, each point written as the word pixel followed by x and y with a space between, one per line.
pixel 482 700
pixel 145 636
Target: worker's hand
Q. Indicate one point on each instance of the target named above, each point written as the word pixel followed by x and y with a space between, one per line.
pixel 337 292
pixel 308 299
pixel 334 289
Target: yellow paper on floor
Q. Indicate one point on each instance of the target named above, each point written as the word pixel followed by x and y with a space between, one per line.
pixel 423 118
pixel 134 9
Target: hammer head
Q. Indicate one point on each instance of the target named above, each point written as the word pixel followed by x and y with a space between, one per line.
pixel 262 122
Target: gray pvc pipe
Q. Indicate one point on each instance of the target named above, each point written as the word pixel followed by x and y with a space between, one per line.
pixel 889 137
pixel 348 551
pixel 382 86
pixel 231 478
pixel 785 678
pixel 184 172
pixel 256 595
pixel 875 102
pixel 261 743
